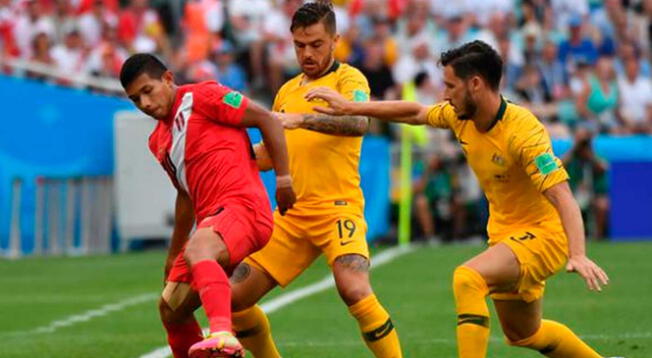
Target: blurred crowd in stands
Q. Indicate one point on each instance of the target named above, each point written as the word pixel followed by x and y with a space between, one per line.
pixel 583 66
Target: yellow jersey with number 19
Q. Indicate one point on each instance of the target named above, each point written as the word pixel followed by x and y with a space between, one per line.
pixel 324 167
pixel 514 163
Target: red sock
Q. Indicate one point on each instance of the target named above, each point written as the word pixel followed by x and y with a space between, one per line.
pixel 212 283
pixel 182 336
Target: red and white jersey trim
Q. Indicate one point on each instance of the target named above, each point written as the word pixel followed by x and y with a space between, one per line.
pixel 179 131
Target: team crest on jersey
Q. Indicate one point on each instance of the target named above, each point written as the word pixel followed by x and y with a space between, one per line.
pixel 498 159
pixel 233 99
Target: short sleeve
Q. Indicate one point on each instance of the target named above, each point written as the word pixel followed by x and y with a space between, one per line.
pixel 440 115
pixel 530 145
pixel 220 103
pixel 353 85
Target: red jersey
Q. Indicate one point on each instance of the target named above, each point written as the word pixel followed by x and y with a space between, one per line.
pixel 206 153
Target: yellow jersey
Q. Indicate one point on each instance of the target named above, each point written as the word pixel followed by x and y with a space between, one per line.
pixel 324 167
pixel 514 163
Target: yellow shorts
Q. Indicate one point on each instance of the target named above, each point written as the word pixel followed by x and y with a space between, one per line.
pixel 540 253
pixel 298 240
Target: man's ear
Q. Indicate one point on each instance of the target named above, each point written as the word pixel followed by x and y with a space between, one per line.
pixel 336 38
pixel 475 83
pixel 168 77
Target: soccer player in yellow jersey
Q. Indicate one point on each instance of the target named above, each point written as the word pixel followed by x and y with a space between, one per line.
pixel 535 226
pixel 327 217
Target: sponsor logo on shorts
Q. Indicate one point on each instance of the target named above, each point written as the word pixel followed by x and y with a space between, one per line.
pixel 528 236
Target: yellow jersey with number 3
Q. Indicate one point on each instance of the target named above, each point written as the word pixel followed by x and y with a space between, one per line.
pixel 514 163
pixel 324 167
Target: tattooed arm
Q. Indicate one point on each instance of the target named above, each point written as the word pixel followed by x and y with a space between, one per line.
pixel 349 126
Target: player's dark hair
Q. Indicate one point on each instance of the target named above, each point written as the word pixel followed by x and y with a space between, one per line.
pixel 138 64
pixel 475 59
pixel 420 78
pixel 313 12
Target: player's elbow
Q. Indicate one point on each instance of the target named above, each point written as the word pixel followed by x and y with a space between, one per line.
pixel 256 116
pixel 420 115
pixel 263 159
pixel 560 195
pixel 363 125
pixel 264 164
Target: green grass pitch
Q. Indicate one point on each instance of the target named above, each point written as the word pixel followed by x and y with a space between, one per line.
pixel 415 289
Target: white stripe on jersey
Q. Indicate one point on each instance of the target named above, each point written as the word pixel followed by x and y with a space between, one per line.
pixel 179 130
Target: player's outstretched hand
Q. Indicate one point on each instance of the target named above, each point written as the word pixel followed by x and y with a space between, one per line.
pixel 337 104
pixel 285 196
pixel 594 276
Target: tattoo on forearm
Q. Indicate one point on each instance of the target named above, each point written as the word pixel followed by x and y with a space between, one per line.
pixel 241 273
pixel 354 262
pixel 337 125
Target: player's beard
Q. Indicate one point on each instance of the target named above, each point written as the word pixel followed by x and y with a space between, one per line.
pixel 320 68
pixel 468 108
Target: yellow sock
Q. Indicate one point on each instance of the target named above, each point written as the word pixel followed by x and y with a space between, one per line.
pixel 470 291
pixel 555 340
pixel 377 328
pixel 251 326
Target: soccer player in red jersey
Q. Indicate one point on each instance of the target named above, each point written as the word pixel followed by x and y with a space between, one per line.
pixel 201 142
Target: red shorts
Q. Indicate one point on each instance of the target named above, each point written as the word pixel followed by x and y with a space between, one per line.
pixel 243 230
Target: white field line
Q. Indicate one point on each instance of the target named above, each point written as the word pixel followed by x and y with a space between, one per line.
pixel 165 351
pixel 90 314
pixel 158 353
pixel 292 296
pixel 328 282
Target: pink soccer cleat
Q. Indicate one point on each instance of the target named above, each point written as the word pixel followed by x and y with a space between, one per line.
pixel 219 344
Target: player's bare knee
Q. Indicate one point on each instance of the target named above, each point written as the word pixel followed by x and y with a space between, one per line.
pixel 240 298
pixel 193 254
pixel 514 337
pixel 237 305
pixel 240 301
pixel 352 278
pixel 205 245
pixel 248 285
pixel 518 339
pixel 195 250
pixel 353 292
